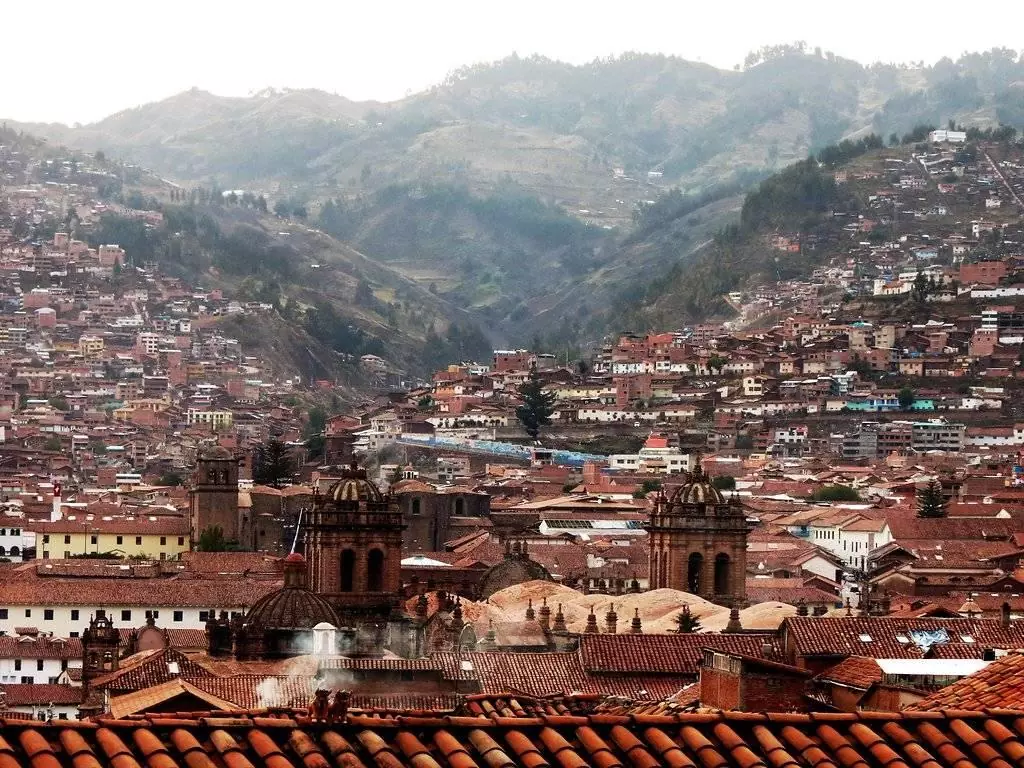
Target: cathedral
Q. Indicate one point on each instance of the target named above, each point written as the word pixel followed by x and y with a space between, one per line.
pixel 698 542
pixel 343 595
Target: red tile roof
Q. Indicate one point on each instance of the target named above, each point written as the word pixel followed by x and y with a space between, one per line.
pixel 879 638
pixel 855 672
pixel 39 694
pixel 953 739
pixel 661 654
pixel 1000 684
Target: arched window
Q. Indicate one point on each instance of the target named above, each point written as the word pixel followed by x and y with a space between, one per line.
pixel 460 507
pixel 416 507
pixel 694 566
pixel 3 551
pixel 375 571
pixel 15 551
pixel 722 574
pixel 348 570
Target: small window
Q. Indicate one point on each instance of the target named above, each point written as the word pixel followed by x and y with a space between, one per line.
pixel 138 540
pixel 967 638
pixel 902 639
pixel 46 538
pixel 163 541
pixel 120 539
pixel 865 638
pixel 3 613
pixel 204 616
pixel 39 665
pixel 126 615
pixel 93 539
pixel 48 614
pixel 67 539
pixel 74 614
pixel 179 616
pixel 181 540
pixel 28 613
pixel 17 665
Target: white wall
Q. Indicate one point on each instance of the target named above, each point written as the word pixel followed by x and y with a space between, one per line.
pixel 64 624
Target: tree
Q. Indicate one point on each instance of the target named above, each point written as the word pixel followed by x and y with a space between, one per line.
pixel 906 397
pixel 686 622
pixel 170 478
pixel 537 407
pixel 835 493
pixel 724 482
pixel 716 363
pixel 212 540
pixel 920 290
pixel 272 463
pixel 930 502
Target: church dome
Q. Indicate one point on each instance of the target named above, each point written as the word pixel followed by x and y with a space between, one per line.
pixel 697 489
pixel 293 606
pixel 354 486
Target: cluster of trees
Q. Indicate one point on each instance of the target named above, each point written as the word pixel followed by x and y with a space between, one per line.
pixel 930 500
pixel 835 493
pixel 323 323
pixel 846 150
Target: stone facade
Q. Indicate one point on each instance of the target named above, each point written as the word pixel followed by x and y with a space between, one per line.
pixel 698 542
pixel 214 495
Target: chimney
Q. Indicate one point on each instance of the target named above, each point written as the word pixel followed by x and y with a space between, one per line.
pixel 1004 615
pixel 530 615
pixel 591 628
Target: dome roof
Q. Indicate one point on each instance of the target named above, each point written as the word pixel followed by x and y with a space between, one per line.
pixel 354 486
pixel 291 608
pixel 697 489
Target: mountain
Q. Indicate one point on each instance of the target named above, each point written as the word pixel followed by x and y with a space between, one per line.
pixel 516 192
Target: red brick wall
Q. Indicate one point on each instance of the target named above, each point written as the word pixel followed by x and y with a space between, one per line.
pixel 719 689
pixel 765 692
pixel 988 272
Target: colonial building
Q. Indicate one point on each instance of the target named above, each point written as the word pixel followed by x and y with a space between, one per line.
pixel 698 541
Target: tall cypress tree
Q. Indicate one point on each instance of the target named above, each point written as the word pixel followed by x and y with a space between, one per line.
pixel 537 407
pixel 930 502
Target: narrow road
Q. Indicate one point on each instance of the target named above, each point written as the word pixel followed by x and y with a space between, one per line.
pixel 1002 178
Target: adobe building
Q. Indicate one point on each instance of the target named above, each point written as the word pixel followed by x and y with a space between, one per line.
pixel 698 542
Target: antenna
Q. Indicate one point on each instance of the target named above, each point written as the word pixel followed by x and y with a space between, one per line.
pixel 298 527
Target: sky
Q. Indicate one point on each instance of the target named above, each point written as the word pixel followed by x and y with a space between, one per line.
pixel 73 62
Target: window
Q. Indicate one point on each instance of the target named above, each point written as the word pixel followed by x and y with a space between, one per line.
pixel 179 615
pixel 74 614
pixel 67 554
pixel 73 634
pixel 3 613
pixel 46 554
pixel 163 541
pixel 152 614
pixel 120 539
pixel 15 531
pixel 864 638
pixel 17 665
pixel 93 539
pixel 46 538
pixel 48 614
pixel 28 613
pixel 53 680
pixel 181 540
pixel 126 615
pixel 39 665
pixel 67 539
pixel 27 680
pixel 138 540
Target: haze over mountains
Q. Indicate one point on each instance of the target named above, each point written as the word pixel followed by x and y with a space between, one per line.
pixel 510 189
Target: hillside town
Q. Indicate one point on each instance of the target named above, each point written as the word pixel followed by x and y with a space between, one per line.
pixel 815 508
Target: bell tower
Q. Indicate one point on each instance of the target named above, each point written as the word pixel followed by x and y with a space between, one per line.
pixel 353 544
pixel 100 644
pixel 214 494
pixel 698 542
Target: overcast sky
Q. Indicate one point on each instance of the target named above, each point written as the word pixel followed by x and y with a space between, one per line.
pixel 73 61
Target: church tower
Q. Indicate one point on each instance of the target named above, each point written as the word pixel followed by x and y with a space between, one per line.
pixel 100 643
pixel 214 494
pixel 353 542
pixel 698 542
